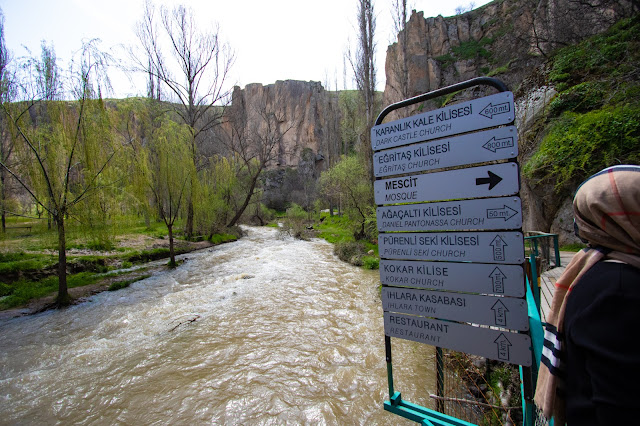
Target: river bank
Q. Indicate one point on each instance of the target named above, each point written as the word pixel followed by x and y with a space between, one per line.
pixel 122 273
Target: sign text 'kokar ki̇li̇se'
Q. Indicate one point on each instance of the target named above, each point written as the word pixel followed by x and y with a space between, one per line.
pixel 485 278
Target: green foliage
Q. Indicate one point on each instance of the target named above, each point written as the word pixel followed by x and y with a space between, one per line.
pixel 214 191
pixel 370 262
pixel 472 49
pixel 578 145
pixel 348 183
pixel 582 97
pixel 20 263
pixel 23 291
pixel 608 55
pixel 338 230
pixel 446 60
pixel 353 122
pixel 575 247
pixel 351 252
pixel 5 289
pixel 467 50
pixel 500 70
pixel 595 116
pixel 335 229
pixel 295 222
pixel 147 255
pixel 222 238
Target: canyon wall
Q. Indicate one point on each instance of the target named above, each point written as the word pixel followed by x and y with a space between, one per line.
pixel 509 40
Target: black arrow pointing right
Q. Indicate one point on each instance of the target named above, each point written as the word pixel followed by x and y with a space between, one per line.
pixel 492 180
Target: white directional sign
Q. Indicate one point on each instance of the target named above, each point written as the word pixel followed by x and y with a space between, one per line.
pixel 506 280
pixel 486 213
pixel 475 182
pixel 490 247
pixel 490 343
pixel 505 312
pixel 490 145
pixel 482 113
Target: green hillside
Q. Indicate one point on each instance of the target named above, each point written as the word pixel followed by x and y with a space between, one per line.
pixel 594 120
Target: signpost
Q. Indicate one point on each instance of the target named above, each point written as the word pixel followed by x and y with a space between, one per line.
pixel 490 343
pixel 451 242
pixel 475 182
pixel 506 280
pixel 490 145
pixel 482 113
pixel 466 215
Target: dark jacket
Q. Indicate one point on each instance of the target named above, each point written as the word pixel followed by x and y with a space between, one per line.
pixel 602 335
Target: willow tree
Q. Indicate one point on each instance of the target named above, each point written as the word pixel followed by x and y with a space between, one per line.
pixel 65 155
pixel 6 142
pixel 349 182
pixel 191 66
pixel 168 172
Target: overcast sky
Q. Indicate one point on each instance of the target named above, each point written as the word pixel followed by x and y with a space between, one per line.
pixel 272 39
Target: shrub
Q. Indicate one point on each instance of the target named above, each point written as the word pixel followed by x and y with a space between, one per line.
pixel 351 252
pixel 579 145
pixel 5 290
pixel 295 222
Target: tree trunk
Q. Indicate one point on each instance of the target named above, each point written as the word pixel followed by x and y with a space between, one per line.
pixel 189 224
pixel 63 295
pixel 3 201
pixel 242 208
pixel 172 254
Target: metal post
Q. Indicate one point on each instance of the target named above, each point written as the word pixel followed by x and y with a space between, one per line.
pixel 439 379
pixel 387 348
pixel 557 250
pixel 535 288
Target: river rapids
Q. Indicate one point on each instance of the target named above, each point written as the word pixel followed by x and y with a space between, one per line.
pixel 264 330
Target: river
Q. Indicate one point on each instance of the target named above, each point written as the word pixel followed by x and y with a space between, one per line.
pixel 260 331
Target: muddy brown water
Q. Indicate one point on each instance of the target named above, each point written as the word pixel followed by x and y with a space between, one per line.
pixel 260 331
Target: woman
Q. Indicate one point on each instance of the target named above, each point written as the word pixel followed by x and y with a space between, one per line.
pixel 590 368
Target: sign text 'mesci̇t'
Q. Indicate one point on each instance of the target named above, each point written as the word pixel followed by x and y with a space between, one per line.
pixel 482 113
pixel 475 182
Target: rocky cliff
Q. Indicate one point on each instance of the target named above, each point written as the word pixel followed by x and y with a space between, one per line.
pixel 302 122
pixel 510 40
pixel 504 38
